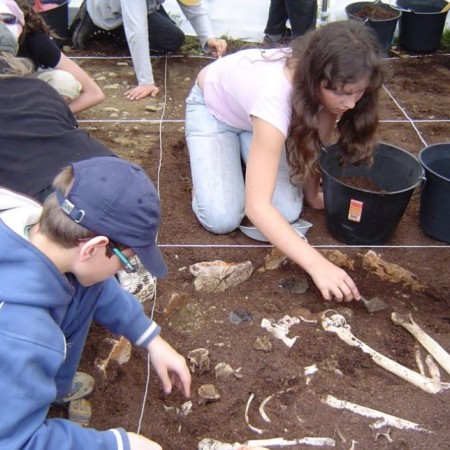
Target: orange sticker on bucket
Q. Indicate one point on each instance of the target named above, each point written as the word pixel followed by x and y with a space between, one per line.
pixel 355 210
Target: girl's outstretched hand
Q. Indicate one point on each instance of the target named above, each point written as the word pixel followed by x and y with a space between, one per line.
pixel 333 282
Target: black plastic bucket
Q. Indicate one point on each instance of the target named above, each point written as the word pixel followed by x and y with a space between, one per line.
pixel 434 215
pixel 58 21
pixel 421 25
pixel 384 28
pixel 362 217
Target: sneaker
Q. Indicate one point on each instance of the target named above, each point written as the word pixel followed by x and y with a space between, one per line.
pixel 82 387
pixel 82 28
pixel 141 284
pixel 277 40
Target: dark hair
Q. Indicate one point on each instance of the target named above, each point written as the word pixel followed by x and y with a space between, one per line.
pixel 33 21
pixel 334 55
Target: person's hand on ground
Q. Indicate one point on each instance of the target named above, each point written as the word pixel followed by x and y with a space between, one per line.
pixel 218 47
pixel 138 442
pixel 140 92
pixel 333 282
pixel 170 366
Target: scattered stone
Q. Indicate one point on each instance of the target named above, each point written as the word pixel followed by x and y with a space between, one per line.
pixel 122 63
pixel 392 273
pixel 274 259
pixel 339 259
pixel 112 74
pixel 199 360
pixel 263 343
pixel 295 285
pixel 112 86
pixel 111 109
pixel 176 302
pixel 151 108
pixel 207 393
pixel 240 315
pixel 223 371
pixel 218 276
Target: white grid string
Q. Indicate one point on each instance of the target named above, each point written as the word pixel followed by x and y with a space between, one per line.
pixel 161 121
pixel 158 179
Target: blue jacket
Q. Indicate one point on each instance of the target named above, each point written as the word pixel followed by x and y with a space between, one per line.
pixel 34 300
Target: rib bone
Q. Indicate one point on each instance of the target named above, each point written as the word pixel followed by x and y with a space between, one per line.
pixel 337 324
pixel 436 351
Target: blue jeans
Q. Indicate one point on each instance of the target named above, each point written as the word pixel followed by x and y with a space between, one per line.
pixel 217 153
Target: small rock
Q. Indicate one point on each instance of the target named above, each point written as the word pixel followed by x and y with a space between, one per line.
pixel 199 360
pixel 151 108
pixel 223 371
pixel 263 343
pixel 295 285
pixel 207 393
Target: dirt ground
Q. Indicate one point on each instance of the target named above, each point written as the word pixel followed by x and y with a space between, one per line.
pixel 414 113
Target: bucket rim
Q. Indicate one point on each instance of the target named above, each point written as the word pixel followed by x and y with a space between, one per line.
pixel 419 181
pixel 422 152
pixel 419 13
pixel 369 19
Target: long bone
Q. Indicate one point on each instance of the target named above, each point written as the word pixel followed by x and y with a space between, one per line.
pixel 337 324
pixel 384 419
pixel 435 350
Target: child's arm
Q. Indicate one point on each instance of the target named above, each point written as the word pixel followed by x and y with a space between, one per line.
pixel 312 194
pixel 91 94
pixel 262 167
pixel 170 366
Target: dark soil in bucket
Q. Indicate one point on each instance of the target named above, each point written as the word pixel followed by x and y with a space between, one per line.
pixel 375 12
pixel 363 183
pixel 202 319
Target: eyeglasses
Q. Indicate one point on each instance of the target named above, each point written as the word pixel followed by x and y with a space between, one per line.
pixel 8 18
pixel 129 266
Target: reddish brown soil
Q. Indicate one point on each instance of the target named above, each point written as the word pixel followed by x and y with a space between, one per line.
pixel 421 89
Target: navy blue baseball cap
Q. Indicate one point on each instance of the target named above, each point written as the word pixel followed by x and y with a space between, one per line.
pixel 115 198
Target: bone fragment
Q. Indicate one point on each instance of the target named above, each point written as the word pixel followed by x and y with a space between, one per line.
pixel 386 419
pixel 386 435
pixel 261 409
pixel 247 406
pixel 120 351
pixel 281 328
pixel 281 442
pixel 419 361
pixel 433 368
pixel 337 324
pixel 212 444
pixel 438 353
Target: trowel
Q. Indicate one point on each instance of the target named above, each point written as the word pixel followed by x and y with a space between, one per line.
pixel 374 304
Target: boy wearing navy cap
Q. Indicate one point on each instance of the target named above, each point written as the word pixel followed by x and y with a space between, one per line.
pixel 57 269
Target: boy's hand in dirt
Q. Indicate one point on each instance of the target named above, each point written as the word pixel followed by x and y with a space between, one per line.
pixel 170 366
pixel 140 92
pixel 138 442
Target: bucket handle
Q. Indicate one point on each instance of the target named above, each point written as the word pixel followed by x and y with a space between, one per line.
pixel 401 9
pixel 423 182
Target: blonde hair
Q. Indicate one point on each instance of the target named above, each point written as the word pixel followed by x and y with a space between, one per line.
pixel 54 224
pixel 12 66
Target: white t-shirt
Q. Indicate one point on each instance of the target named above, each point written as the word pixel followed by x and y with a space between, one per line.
pixel 250 83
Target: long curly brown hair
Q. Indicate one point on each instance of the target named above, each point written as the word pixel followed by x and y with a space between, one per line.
pixel 334 55
pixel 33 21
